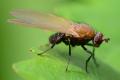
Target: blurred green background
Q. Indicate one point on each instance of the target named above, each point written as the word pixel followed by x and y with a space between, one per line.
pixel 15 40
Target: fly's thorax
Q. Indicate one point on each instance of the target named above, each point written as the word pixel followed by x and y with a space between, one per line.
pixel 71 32
pixel 84 31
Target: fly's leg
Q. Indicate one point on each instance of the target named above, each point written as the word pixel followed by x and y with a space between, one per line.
pixel 54 39
pixel 87 61
pixel 89 44
pixel 91 56
pixel 46 50
pixel 93 51
pixel 69 56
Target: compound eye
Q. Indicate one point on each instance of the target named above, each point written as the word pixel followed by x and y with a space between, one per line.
pixel 98 39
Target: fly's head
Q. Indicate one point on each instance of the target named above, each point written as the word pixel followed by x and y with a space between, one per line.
pixel 99 38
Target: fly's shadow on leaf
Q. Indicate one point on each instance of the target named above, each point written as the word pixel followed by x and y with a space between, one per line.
pixel 102 72
pixel 56 64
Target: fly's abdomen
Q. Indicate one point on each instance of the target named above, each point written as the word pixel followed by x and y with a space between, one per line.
pixel 56 38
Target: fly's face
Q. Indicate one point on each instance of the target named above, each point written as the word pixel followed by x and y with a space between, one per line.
pixel 99 38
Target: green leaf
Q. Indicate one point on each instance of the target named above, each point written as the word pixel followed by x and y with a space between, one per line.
pixel 49 68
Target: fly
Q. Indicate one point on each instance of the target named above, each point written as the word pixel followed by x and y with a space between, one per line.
pixel 68 32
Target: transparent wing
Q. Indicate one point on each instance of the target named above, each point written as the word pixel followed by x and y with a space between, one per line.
pixel 40 20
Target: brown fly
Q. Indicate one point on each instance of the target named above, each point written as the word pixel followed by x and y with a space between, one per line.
pixel 68 32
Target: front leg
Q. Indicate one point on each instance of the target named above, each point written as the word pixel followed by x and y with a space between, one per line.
pixel 93 51
pixel 91 56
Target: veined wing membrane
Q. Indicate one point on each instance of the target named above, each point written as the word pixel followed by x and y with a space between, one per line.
pixel 40 20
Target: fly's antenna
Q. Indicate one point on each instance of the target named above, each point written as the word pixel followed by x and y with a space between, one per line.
pixel 106 39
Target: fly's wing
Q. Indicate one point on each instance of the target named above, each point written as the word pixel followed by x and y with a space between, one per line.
pixel 40 20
